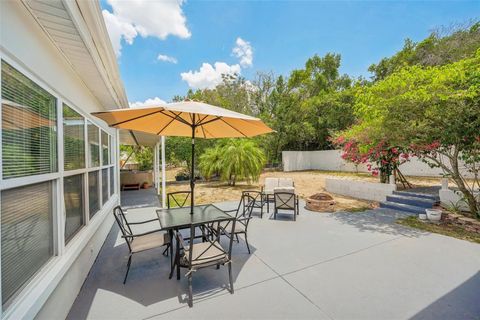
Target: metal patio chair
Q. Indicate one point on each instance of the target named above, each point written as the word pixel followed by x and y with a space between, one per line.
pixel 285 200
pixel 178 199
pixel 259 199
pixel 268 189
pixel 141 241
pixel 243 214
pixel 195 256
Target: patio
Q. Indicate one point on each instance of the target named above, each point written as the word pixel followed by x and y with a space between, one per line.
pixel 323 266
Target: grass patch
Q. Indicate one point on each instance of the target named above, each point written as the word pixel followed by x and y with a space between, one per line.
pixel 444 229
pixel 357 209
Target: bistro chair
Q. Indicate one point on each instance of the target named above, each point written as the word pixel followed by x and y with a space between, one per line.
pixel 205 254
pixel 178 199
pixel 268 189
pixel 259 199
pixel 285 200
pixel 243 214
pixel 141 241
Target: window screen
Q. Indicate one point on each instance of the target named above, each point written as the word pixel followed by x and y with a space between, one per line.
pixel 73 194
pixel 105 194
pixel 112 181
pixel 73 139
pixel 27 236
pixel 93 197
pixel 105 149
pixel 93 145
pixel 29 125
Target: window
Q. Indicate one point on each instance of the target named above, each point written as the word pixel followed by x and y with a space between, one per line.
pixel 73 194
pixel 112 181
pixel 73 139
pixel 29 125
pixel 112 151
pixel 27 234
pixel 105 149
pixel 105 195
pixel 93 145
pixel 93 193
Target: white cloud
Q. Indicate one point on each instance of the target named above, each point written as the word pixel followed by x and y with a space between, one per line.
pixel 146 103
pixel 208 77
pixel 165 58
pixel 145 18
pixel 244 51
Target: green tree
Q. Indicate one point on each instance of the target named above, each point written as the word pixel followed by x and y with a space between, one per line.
pixel 432 111
pixel 440 48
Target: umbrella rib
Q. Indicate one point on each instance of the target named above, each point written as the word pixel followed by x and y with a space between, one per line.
pixel 203 130
pixel 136 118
pixel 199 123
pixel 234 128
pixel 177 117
pixel 173 119
pixel 211 120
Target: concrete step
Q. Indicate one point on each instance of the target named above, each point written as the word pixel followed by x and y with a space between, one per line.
pixel 417 195
pixel 401 207
pixel 413 201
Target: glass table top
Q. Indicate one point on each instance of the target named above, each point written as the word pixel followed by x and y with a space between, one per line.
pixel 181 217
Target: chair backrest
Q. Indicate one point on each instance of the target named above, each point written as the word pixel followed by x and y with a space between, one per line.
pixel 284 200
pixel 271 183
pixel 178 199
pixel 205 255
pixel 123 225
pixel 285 182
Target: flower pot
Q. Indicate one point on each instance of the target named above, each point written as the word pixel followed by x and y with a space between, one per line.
pixel 434 214
pixel 422 216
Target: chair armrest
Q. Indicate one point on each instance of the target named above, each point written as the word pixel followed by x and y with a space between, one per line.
pixel 233 210
pixel 140 234
pixel 141 222
pixel 244 218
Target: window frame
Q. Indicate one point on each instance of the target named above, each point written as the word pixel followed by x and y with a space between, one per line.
pixel 64 254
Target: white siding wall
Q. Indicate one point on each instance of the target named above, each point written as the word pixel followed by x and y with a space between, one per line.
pixel 25 46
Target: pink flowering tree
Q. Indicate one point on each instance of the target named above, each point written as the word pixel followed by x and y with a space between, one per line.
pixel 381 159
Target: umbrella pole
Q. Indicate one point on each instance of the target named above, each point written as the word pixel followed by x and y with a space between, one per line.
pixel 192 169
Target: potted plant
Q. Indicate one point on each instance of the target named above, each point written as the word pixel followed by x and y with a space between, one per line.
pixel 434 214
pixel 145 185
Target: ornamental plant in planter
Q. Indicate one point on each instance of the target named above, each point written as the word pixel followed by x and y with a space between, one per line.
pixel 433 215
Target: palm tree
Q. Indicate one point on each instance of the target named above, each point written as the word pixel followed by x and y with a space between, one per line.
pixel 233 159
pixel 209 162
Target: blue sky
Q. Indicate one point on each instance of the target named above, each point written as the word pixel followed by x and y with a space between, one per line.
pixel 280 35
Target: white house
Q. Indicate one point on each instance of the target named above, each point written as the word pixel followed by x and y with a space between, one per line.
pixel 58 172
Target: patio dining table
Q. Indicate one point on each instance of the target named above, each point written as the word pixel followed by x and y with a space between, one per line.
pixel 178 218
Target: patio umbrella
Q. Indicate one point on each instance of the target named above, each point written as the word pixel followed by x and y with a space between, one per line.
pixel 186 119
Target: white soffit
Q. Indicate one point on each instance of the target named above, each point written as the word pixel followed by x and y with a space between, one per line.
pixel 134 138
pixel 77 29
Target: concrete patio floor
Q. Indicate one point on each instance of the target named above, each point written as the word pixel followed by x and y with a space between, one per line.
pixel 323 266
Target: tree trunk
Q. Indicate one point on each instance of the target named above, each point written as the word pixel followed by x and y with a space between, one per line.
pixel 454 172
pixel 467 194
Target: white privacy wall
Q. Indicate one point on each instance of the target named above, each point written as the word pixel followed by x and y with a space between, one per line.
pixel 331 160
pixel 360 189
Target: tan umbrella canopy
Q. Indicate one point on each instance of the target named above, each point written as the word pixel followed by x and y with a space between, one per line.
pixel 186 119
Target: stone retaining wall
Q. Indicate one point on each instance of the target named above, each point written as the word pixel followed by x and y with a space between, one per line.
pixel 468 224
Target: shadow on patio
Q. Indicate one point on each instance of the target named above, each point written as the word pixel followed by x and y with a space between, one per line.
pixel 148 284
pixel 378 220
